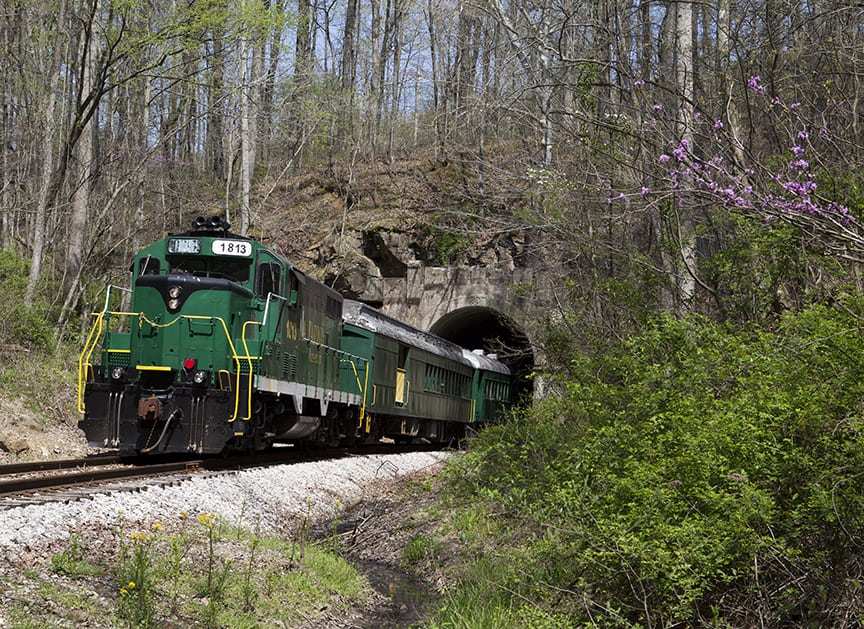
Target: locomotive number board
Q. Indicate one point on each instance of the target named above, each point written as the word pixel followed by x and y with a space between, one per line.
pixel 223 247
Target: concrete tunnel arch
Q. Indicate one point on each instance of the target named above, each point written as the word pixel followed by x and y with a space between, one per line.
pixel 480 327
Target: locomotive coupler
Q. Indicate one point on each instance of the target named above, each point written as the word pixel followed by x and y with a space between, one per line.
pixel 150 408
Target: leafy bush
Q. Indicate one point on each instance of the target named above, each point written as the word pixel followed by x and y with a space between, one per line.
pixel 693 474
pixel 20 325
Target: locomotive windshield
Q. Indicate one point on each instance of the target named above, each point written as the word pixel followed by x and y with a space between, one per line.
pixel 220 258
pixel 236 270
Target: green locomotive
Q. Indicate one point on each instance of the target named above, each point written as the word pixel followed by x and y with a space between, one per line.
pixel 225 346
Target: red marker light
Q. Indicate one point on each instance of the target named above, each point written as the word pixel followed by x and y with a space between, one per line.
pixel 189 364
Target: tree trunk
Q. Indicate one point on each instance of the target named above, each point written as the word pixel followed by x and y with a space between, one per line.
pixel 245 137
pixel 78 216
pixel 396 36
pixel 440 133
pixel 49 117
pixel 374 108
pixel 684 80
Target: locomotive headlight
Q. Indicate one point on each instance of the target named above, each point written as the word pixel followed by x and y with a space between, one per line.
pixel 174 297
pixel 200 377
pixel 117 374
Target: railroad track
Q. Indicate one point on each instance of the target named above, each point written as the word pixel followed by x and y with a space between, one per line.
pixel 66 480
pixel 76 479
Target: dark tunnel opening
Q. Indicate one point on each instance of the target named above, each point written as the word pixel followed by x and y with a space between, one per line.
pixel 478 327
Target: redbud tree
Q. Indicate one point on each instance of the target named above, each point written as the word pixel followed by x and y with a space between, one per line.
pixel 785 187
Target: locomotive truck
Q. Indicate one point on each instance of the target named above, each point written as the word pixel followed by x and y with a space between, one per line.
pixel 220 345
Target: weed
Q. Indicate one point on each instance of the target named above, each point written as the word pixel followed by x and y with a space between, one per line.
pixel 71 562
pixel 137 580
pixel 419 548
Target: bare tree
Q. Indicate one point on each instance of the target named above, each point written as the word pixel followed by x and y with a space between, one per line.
pixel 49 176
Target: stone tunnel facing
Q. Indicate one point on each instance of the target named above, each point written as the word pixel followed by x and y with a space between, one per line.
pixel 483 328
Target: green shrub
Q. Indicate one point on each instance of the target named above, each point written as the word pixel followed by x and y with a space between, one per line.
pixel 20 325
pixel 691 473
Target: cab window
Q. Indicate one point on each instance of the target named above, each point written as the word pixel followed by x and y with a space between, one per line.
pixel 149 266
pixel 201 266
pixel 269 279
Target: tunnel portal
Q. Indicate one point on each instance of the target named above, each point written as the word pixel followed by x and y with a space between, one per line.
pixel 479 327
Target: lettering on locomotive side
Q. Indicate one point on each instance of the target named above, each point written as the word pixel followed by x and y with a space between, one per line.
pixel 291 330
pixel 313 332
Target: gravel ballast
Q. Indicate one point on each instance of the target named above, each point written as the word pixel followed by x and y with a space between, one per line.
pixel 276 498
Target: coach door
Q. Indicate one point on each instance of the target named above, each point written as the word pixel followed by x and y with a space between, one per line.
pixel 402 382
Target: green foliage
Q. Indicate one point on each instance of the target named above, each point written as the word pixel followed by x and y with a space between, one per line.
pixel 757 271
pixel 71 562
pixel 445 238
pixel 692 472
pixel 20 325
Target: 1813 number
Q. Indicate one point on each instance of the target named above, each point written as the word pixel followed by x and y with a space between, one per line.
pixel 222 247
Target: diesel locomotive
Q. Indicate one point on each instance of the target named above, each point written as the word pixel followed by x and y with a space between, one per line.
pixel 221 345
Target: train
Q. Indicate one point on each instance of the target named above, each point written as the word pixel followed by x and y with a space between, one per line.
pixel 221 345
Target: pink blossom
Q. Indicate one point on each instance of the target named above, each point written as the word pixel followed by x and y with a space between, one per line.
pixel 755 83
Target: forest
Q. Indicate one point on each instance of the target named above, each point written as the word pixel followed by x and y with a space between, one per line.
pixel 687 174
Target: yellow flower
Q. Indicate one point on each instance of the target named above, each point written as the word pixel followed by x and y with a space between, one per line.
pixel 207 519
pixel 157 526
pixel 123 591
pixel 131 585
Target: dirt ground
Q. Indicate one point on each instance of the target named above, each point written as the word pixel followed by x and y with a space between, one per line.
pixel 25 436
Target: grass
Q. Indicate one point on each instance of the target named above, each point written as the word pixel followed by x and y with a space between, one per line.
pixel 50 602
pixel 419 547
pixel 194 573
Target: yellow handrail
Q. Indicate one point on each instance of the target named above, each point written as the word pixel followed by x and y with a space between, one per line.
pixel 361 387
pixel 90 344
pixel 249 360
